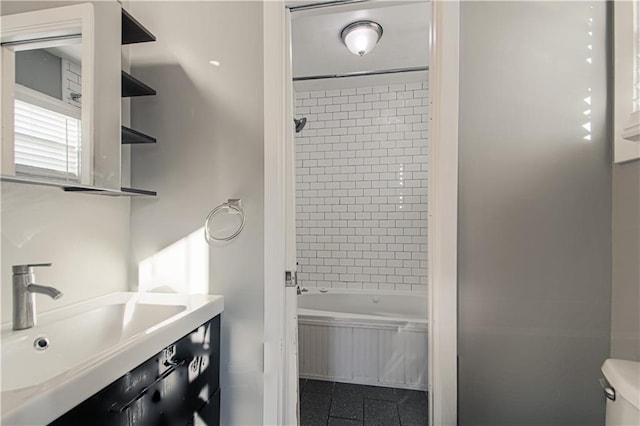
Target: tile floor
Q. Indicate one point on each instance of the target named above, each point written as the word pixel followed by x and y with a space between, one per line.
pixel 345 404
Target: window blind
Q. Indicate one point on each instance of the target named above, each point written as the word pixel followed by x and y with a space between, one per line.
pixel 47 143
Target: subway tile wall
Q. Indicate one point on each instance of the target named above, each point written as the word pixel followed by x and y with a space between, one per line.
pixel 361 188
pixel 71 82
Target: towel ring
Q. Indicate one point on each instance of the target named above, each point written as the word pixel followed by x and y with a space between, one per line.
pixel 231 204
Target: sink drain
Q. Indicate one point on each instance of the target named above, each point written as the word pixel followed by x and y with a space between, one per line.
pixel 41 343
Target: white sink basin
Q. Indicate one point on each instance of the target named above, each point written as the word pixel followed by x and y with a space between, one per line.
pixel 88 333
pixel 87 346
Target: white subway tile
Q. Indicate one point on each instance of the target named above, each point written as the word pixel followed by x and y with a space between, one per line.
pixel 380 104
pixel 348 160
pixel 402 287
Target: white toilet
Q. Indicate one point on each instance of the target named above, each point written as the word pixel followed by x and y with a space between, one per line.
pixel 622 391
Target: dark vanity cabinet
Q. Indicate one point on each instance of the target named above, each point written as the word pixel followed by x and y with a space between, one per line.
pixel 178 386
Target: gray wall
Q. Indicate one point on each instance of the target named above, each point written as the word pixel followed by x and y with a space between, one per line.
pixel 625 309
pixel 535 214
pixel 39 70
pixel 209 124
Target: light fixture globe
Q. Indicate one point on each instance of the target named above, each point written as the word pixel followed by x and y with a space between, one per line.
pixel 361 37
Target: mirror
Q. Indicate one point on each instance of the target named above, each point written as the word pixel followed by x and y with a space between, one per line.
pixel 48 141
pixel 59 99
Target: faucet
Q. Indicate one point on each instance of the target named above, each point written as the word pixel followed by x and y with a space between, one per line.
pixel 24 298
pixel 301 290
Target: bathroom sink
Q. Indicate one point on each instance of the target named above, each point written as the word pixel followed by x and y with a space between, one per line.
pixel 53 348
pixel 77 350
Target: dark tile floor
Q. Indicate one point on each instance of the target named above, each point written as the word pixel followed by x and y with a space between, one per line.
pixel 345 404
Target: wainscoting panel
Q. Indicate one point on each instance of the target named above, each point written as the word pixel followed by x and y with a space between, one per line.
pixel 374 354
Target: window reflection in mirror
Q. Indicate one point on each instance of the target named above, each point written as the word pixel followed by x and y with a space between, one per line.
pixel 47 111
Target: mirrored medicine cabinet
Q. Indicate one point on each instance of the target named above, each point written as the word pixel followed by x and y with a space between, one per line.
pixel 60 96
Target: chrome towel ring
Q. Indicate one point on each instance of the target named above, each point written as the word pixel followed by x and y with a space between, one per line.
pixel 231 204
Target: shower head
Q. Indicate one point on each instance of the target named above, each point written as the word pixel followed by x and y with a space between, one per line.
pixel 300 124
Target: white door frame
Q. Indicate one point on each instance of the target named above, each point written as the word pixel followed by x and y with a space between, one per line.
pixel 443 210
pixel 275 117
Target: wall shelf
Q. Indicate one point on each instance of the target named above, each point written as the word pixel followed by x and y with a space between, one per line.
pixel 131 86
pixel 124 192
pixel 133 31
pixel 75 187
pixel 130 136
pixel 133 192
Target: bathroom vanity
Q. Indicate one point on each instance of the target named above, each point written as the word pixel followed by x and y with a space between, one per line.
pixel 120 359
pixel 177 386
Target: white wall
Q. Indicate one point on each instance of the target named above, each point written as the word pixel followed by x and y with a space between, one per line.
pixel 625 286
pixel 625 307
pixel 209 124
pixel 85 236
pixel 361 190
pixel 623 69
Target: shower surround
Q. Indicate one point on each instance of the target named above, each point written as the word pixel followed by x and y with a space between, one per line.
pixel 361 187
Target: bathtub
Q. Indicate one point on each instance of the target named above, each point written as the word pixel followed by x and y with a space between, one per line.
pixel 364 337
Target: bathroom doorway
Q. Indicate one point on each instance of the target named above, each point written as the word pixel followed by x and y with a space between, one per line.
pixel 360 103
pixel 439 303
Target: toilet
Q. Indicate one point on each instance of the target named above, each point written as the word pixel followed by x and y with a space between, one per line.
pixel 622 389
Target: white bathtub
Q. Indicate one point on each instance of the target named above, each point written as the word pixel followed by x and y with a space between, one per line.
pixel 376 338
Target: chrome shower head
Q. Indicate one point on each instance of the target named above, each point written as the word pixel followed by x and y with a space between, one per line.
pixel 300 124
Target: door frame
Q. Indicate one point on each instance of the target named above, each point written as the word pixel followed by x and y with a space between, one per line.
pixel 275 112
pixel 442 200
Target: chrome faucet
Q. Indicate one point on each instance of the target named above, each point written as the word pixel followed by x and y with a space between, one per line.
pixel 301 290
pixel 24 298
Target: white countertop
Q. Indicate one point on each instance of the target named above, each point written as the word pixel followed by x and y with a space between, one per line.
pixel 136 338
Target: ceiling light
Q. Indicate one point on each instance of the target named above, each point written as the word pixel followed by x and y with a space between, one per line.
pixel 361 37
pixel 215 63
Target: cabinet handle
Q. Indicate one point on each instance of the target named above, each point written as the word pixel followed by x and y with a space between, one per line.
pixel 119 408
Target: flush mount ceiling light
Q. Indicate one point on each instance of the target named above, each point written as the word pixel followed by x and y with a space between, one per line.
pixel 361 37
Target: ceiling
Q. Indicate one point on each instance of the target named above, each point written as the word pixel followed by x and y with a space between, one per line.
pixel 318 49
